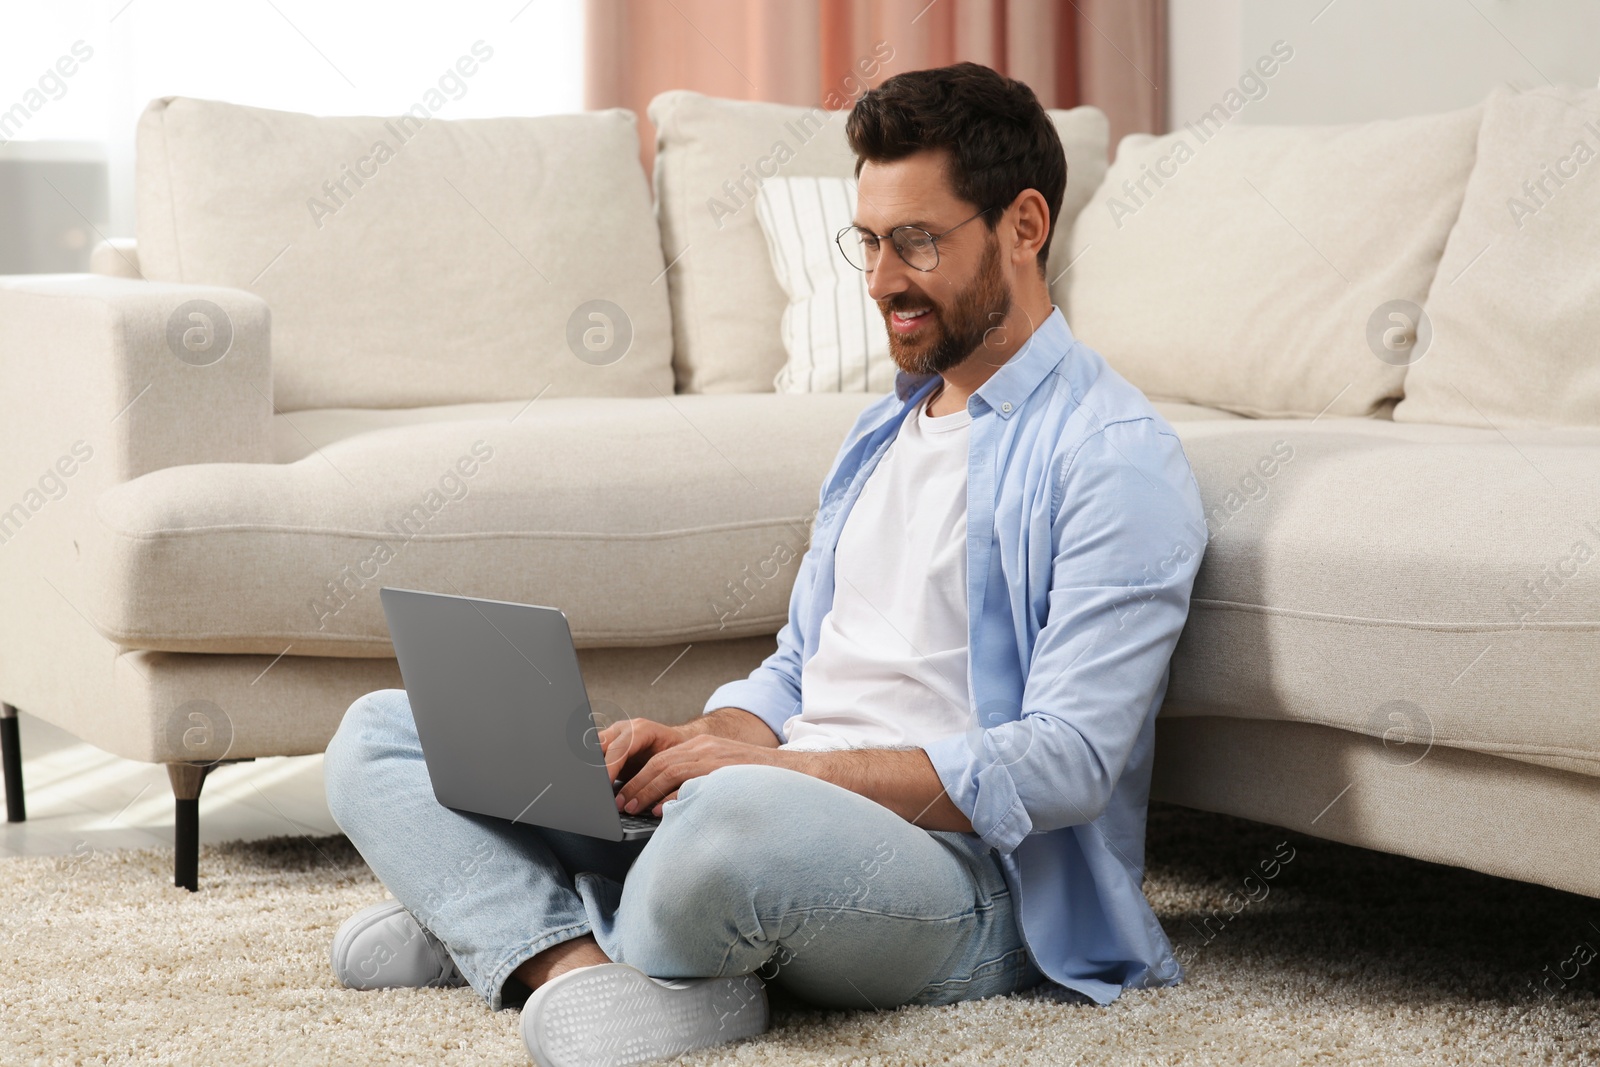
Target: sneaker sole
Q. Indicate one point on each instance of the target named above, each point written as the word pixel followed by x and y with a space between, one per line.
pixel 339 951
pixel 612 1015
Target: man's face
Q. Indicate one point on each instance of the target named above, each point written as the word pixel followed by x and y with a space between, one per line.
pixel 936 318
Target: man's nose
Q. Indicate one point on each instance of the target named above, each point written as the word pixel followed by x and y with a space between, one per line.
pixel 889 277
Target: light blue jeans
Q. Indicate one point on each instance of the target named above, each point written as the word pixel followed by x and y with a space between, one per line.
pixel 754 869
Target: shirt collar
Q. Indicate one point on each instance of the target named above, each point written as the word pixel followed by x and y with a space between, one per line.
pixel 1009 386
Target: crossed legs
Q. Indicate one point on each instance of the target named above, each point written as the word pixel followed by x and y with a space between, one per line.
pixel 754 869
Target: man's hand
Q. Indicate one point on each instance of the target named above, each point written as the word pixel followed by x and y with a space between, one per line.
pixel 629 743
pixel 658 759
pixel 633 745
pixel 658 780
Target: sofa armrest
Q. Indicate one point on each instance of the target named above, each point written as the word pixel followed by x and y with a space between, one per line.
pixel 147 374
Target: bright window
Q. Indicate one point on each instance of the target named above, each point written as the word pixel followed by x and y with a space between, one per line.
pixel 324 57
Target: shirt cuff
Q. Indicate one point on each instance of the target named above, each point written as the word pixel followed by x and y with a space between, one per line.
pixel 979 783
pixel 770 701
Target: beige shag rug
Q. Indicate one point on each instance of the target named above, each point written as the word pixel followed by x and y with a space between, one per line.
pixel 1344 956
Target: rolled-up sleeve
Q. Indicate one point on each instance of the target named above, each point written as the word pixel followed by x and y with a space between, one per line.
pixel 772 691
pixel 1126 539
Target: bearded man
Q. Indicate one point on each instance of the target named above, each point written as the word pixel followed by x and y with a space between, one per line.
pixel 935 788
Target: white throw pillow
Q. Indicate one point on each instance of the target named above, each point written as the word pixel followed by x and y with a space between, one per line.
pixel 832 329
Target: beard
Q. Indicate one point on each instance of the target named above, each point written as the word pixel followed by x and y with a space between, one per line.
pixel 950 334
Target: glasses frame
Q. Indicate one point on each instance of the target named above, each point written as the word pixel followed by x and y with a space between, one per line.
pixel 894 242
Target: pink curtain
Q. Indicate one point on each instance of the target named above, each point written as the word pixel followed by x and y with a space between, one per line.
pixel 1109 53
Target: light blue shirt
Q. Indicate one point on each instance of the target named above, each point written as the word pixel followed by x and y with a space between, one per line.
pixel 1084 533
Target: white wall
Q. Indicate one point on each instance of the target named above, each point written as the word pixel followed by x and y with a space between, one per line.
pixel 1202 55
pixel 326 57
pixel 1357 60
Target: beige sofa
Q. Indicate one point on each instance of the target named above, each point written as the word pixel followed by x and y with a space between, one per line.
pixel 477 357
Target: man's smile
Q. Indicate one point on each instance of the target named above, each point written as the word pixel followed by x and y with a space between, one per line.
pixel 907 321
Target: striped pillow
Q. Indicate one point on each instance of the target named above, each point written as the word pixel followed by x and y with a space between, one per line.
pixel 832 330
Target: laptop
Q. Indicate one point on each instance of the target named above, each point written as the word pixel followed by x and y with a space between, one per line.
pixel 503 714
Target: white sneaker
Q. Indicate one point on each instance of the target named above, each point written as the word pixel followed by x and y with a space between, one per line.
pixel 384 947
pixel 611 1014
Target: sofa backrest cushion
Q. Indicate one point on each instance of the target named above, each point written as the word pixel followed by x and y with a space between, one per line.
pixel 416 260
pixel 711 157
pixel 1515 308
pixel 1238 266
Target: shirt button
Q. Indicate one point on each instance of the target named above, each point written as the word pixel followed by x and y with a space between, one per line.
pixel 1006 407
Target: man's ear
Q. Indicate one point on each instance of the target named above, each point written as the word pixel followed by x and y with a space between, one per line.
pixel 1031 227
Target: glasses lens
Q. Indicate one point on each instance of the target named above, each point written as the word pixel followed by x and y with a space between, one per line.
pixel 916 247
pixel 859 247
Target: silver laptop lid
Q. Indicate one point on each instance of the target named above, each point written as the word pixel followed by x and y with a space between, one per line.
pixel 501 710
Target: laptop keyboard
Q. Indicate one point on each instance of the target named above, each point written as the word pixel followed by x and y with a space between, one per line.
pixel 639 822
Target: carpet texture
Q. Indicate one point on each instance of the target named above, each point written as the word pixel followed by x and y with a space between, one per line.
pixel 1297 950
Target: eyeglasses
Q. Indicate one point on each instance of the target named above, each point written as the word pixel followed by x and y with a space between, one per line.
pixel 916 246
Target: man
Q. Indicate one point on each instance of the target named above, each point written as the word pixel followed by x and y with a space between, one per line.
pixel 935 788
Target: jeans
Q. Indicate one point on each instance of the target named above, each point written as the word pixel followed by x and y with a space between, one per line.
pixel 834 897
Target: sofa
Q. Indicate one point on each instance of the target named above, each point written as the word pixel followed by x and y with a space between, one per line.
pixel 496 358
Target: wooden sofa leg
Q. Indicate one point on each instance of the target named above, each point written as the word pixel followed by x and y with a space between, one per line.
pixel 11 756
pixel 187 779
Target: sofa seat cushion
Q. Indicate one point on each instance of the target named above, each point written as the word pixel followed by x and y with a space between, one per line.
pixel 298 434
pixel 1177 411
pixel 1423 582
pixel 648 521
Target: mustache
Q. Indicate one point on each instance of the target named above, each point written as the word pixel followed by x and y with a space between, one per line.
pixel 903 302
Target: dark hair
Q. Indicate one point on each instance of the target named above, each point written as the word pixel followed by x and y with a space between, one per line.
pixel 999 139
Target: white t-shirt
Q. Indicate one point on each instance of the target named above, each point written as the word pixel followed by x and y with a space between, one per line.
pixel 890 668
